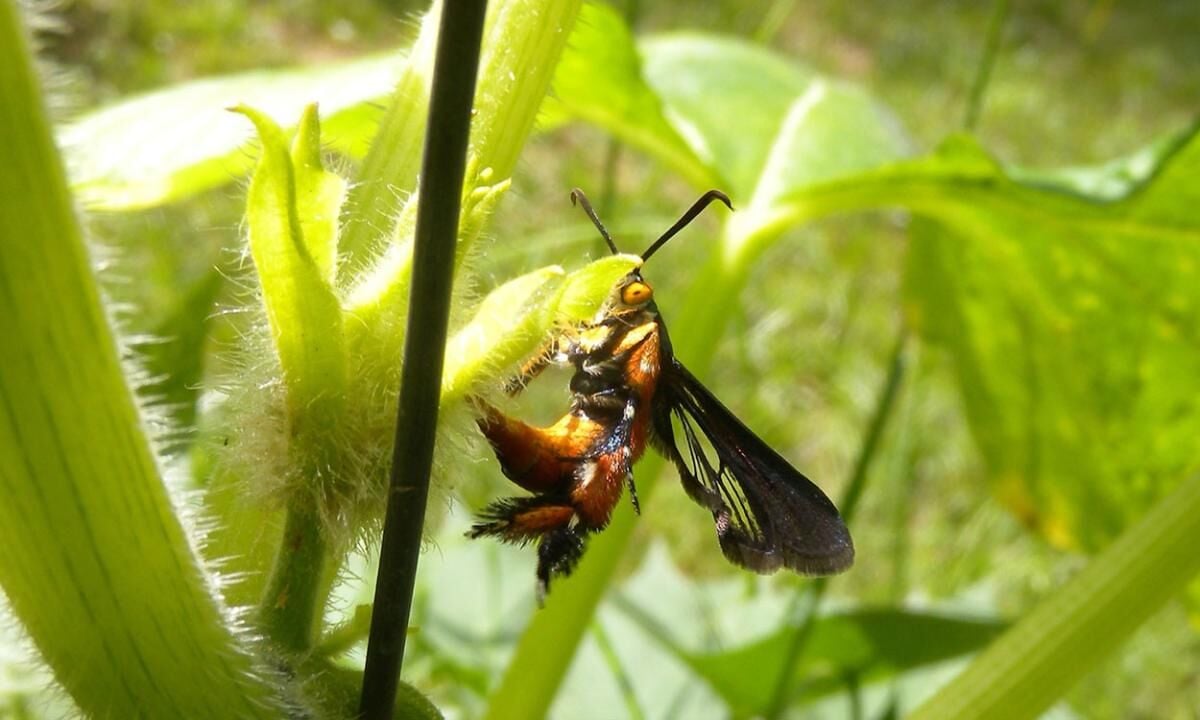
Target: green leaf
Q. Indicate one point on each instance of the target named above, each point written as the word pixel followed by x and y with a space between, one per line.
pixel 1076 625
pixel 619 99
pixel 586 289
pixel 873 644
pixel 380 294
pixel 507 327
pixel 515 319
pixel 93 560
pixel 1071 320
pixel 749 630
pixel 778 126
pixel 319 196
pixel 172 143
pixel 303 312
pixel 1084 408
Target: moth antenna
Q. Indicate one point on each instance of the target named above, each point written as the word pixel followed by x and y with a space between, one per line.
pixel 577 197
pixel 696 208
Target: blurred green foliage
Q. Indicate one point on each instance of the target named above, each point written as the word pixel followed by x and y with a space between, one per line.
pixel 1057 361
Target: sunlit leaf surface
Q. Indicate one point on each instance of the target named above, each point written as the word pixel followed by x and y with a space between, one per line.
pixel 176 142
pixel 1072 320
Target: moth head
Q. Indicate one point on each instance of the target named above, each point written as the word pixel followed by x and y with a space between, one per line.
pixel 632 293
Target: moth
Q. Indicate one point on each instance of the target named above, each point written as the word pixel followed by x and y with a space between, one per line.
pixel 628 392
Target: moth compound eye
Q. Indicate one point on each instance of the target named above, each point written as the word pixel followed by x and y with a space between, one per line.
pixel 636 293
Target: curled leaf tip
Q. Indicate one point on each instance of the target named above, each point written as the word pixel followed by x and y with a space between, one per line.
pixel 306 147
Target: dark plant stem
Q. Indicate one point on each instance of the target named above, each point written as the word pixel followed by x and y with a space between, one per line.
pixel 442 171
pixel 807 604
pixel 983 72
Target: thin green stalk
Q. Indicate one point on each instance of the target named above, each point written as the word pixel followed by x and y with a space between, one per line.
pixel 442 172
pixel 632 708
pixel 879 423
pixel 854 690
pixel 983 71
pixel 1031 666
pixel 773 20
pixel 291 607
pixel 391 163
pixel 811 600
pixel 901 470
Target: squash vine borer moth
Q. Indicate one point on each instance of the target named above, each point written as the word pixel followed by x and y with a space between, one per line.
pixel 628 390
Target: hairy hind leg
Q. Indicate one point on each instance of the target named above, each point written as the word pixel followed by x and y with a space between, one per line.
pixel 547 519
pixel 522 519
pixel 558 553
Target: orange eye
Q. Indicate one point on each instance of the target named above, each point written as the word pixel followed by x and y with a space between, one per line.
pixel 636 293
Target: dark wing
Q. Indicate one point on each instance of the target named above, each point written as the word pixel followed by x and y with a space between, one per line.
pixel 768 514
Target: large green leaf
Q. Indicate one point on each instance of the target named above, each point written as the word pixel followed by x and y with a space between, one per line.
pixel 718 110
pixel 871 644
pixel 172 143
pixel 1072 320
pixel 1069 310
pixel 618 99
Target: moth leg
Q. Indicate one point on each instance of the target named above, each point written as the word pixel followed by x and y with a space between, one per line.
pixel 532 368
pixel 637 507
pixel 523 519
pixel 558 553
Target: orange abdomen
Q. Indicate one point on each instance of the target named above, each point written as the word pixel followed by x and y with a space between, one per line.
pixel 539 459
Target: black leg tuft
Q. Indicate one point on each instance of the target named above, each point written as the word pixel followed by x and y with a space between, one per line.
pixel 558 554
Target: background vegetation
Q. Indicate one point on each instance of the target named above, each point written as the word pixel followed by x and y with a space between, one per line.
pixel 986 345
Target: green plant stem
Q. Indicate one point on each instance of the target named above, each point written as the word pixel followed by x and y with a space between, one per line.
pixel 391 163
pixel 632 708
pixel 1076 626
pixel 809 603
pixel 94 563
pixel 524 39
pixel 291 607
pixel 983 71
pixel 443 168
pixel 777 13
